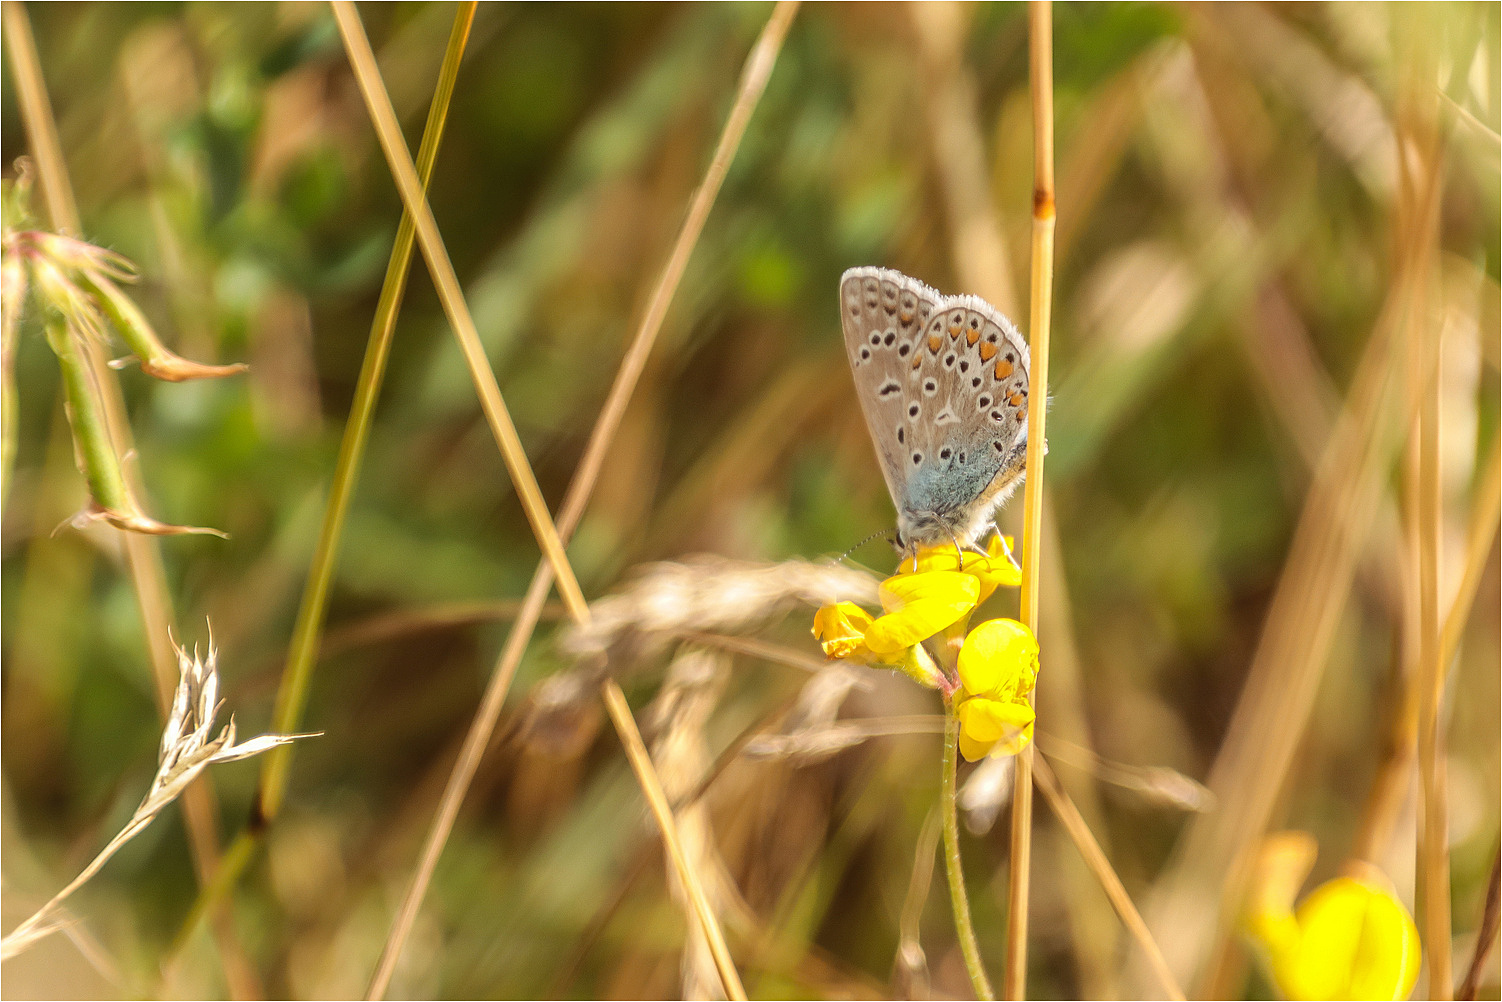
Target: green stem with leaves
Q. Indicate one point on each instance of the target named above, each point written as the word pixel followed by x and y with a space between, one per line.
pixel 91 437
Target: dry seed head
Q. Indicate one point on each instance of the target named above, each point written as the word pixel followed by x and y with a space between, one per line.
pixel 706 595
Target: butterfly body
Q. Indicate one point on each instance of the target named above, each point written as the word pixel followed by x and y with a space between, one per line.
pixel 943 384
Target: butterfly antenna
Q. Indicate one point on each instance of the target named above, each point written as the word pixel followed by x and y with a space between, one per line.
pixel 843 556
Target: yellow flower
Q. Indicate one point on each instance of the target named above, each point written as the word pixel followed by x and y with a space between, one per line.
pixel 998 668
pixel 936 596
pixel 994 570
pixel 845 631
pixel 841 631
pixel 919 606
pixel 1351 938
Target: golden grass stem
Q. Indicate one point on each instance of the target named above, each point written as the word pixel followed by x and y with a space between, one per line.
pixel 753 82
pixel 1040 63
pixel 143 557
pixel 1385 800
pixel 1480 534
pixel 1433 865
pixel 1486 932
pixel 959 901
pixel 389 131
pixel 1069 817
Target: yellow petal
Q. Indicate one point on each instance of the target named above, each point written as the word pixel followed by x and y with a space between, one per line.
pixel 1356 941
pixel 974 750
pixel 999 659
pixel 994 570
pixel 920 605
pixel 841 629
pixel 989 721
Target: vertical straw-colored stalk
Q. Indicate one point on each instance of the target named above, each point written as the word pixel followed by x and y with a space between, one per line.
pixel 388 130
pixel 143 558
pixel 753 81
pixel 1040 315
pixel 1390 787
pixel 1433 864
pixel 958 900
pixel 1422 178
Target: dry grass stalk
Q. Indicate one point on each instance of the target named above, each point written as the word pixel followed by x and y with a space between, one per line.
pixel 753 82
pixel 1486 933
pixel 1157 784
pixel 188 747
pixel 1384 802
pixel 1040 65
pixel 1433 841
pixel 678 718
pixel 705 594
pixel 910 966
pixel 809 732
pixel 1069 817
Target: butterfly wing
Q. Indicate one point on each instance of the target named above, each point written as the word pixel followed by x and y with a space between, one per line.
pixel 943 385
pixel 971 387
pixel 882 313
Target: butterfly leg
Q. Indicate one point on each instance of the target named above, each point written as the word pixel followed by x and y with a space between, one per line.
pixel 959 551
pixel 1005 548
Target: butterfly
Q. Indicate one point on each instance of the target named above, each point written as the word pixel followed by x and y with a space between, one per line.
pixel 942 381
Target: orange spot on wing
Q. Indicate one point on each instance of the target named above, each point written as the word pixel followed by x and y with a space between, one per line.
pixel 954 331
pixel 987 352
pixel 917 361
pixel 934 343
pixel 1015 400
pixel 971 337
pixel 1003 369
pixel 907 317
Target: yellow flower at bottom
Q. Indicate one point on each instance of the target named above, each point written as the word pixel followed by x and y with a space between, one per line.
pixel 1350 938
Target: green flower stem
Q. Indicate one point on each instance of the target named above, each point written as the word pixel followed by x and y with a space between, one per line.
pixel 91 438
pixel 958 900
pixel 292 695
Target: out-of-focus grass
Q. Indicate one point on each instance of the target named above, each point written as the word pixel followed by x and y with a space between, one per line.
pixel 1227 189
